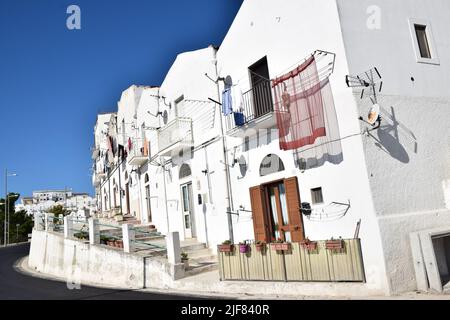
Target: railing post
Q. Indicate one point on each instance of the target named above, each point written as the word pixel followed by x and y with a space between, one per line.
pixel 94 231
pixel 48 223
pixel 37 221
pixel 173 248
pixel 128 235
pixel 68 228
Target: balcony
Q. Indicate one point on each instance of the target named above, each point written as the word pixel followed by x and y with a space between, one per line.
pixel 175 136
pixel 138 155
pixel 95 153
pixel 257 112
pixel 97 178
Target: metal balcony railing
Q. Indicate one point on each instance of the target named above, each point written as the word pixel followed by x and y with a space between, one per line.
pixel 175 135
pixel 257 102
pixel 139 153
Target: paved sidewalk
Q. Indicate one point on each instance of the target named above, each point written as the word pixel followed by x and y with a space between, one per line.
pixel 208 284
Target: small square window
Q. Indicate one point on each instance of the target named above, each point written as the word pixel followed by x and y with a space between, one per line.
pixel 422 40
pixel 316 195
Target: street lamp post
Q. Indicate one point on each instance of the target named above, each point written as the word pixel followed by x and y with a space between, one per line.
pixel 5 242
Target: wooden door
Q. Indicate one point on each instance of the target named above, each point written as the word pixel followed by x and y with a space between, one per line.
pixel 276 211
pixel 260 221
pixel 293 206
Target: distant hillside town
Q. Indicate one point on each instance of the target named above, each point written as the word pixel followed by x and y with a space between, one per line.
pixel 79 203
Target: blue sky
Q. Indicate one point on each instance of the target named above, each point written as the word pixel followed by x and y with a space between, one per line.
pixel 53 81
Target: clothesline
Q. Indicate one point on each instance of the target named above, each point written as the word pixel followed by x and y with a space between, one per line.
pixel 320 53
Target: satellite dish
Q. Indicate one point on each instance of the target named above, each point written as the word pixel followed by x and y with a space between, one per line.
pixel 374 114
pixel 165 116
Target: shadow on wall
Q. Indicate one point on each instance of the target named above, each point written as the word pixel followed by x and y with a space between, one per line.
pixel 389 137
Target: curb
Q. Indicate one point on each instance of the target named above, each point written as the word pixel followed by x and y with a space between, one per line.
pixel 21 266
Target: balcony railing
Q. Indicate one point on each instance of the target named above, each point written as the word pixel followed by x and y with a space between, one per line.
pixel 138 155
pixel 175 136
pixel 257 103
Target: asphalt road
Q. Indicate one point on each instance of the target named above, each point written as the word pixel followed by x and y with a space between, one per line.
pixel 15 285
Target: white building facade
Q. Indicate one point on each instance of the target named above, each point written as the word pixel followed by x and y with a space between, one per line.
pixel 191 168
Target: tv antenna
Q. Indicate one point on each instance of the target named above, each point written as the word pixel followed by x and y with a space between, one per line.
pixel 371 83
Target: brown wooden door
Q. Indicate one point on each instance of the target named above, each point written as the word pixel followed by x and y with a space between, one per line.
pixel 260 221
pixel 293 204
pixel 276 211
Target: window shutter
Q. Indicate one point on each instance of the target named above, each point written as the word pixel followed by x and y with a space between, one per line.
pixel 293 204
pixel 259 213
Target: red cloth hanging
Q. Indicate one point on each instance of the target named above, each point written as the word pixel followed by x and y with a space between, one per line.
pixel 130 144
pixel 299 106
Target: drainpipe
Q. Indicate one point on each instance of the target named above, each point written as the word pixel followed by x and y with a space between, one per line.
pixel 208 177
pixel 225 159
pixel 165 192
pixel 164 171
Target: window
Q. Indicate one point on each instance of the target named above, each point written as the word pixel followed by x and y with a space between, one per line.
pixel 316 195
pixel 179 107
pixel 423 41
pixel 185 171
pixel 246 143
pixel 270 164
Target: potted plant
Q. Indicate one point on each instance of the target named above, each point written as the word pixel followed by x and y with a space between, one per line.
pixel 226 246
pixel 334 244
pixel 243 247
pixel 280 245
pixel 308 244
pixel 119 243
pixel 185 259
pixel 260 245
pixel 104 239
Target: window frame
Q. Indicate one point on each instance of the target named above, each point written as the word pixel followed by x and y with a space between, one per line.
pixel 413 22
pixel 313 195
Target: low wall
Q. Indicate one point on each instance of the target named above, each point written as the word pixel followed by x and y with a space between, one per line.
pixel 80 262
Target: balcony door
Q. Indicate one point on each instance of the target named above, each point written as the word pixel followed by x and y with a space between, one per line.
pixel 276 211
pixel 188 210
pixel 261 88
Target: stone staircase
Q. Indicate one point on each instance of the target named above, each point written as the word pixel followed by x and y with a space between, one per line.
pixel 201 258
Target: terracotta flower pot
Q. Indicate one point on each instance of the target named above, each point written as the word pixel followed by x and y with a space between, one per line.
pixel 284 246
pixel 334 244
pixel 309 245
pixel 225 247
pixel 119 243
pixel 260 247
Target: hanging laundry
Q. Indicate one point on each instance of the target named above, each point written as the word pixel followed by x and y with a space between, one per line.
pixel 146 147
pixel 237 98
pixel 299 106
pixel 130 144
pixel 227 102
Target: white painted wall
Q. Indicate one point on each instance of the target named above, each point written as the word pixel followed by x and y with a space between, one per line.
pixel 286 32
pixel 408 182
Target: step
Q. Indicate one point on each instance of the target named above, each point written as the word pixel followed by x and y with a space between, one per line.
pixel 198 253
pixel 192 246
pixel 194 270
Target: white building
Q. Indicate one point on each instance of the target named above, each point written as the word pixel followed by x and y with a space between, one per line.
pixel 391 184
pixel 41 201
